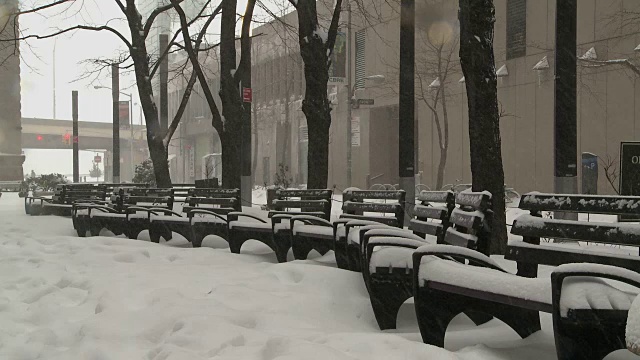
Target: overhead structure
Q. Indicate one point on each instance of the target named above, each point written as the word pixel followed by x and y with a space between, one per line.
pixel 11 157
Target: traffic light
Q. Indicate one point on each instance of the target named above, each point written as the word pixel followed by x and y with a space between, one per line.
pixel 39 137
pixel 66 139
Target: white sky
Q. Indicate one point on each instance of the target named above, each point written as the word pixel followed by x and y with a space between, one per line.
pixel 70 50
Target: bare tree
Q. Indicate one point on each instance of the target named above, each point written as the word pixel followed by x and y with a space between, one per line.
pixel 477 18
pixel 316 47
pixel 136 56
pixel 228 122
pixel 610 166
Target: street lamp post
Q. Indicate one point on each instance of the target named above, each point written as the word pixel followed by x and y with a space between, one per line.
pixel 350 104
pixel 130 126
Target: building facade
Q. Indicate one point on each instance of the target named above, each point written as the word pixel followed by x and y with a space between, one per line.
pixel 608 112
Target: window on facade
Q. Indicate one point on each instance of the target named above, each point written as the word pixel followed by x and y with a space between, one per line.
pixel 360 58
pixel 516 28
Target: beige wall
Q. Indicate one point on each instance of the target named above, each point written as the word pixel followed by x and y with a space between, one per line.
pixel 608 110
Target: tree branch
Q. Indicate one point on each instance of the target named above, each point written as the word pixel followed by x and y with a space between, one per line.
pixel 333 28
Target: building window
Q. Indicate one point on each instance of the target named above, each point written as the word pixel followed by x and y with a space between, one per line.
pixel 516 28
pixel 360 58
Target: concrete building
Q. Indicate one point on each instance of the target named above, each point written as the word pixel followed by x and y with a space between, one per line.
pixel 608 112
pixel 11 157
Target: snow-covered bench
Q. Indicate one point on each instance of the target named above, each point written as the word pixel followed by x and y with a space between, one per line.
pixel 367 207
pixel 130 210
pixel 65 195
pixel 203 213
pixel 589 314
pixel 276 234
pixel 80 213
pixel 386 253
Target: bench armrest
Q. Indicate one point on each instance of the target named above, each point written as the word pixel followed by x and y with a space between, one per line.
pixel 378 241
pixel 101 208
pixel 591 270
pixel 206 212
pixel 451 251
pixel 133 209
pixel 310 220
pixel 233 216
pixel 165 211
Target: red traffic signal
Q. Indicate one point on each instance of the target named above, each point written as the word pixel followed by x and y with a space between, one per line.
pixel 39 137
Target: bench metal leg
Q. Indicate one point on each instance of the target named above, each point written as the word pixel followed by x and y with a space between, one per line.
pixel 435 309
pixel 354 257
pixel 282 241
pixel 388 292
pixel 340 248
pixel 589 341
pixel 201 230
pixel 238 238
pixel 302 246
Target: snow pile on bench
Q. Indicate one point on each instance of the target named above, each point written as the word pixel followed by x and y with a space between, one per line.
pixel 479 278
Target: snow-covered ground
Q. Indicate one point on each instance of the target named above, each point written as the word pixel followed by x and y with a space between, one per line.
pixel 100 298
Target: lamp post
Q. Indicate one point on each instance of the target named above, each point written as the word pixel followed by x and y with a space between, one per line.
pixel 97 87
pixel 350 103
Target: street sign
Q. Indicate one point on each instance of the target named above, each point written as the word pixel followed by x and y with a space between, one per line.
pixel 355 132
pixel 97 159
pixel 365 101
pixel 246 95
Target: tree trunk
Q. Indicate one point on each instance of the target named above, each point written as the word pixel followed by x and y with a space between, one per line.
pixel 477 18
pixel 441 166
pixel 155 135
pixel 231 158
pixel 159 155
pixel 315 105
pixel 230 98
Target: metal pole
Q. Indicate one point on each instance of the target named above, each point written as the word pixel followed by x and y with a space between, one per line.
pixel 74 112
pixel 565 109
pixel 55 42
pixel 115 94
pixel 131 136
pixel 406 104
pixel 350 97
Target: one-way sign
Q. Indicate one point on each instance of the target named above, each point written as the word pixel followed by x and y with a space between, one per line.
pixel 365 101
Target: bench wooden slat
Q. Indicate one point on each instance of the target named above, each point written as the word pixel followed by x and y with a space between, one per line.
pixel 477 200
pixel 211 201
pixel 310 193
pixel 430 212
pixel 298 204
pixel 454 237
pixel 614 233
pixel 437 196
pixel 220 210
pixel 595 204
pixel 469 220
pixel 426 227
pixel 489 296
pixel 217 193
pixel 388 220
pixel 360 195
pixel 555 256
pixel 351 206
pixel 283 212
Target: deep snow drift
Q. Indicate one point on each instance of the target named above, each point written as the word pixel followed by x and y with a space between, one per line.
pixel 64 297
